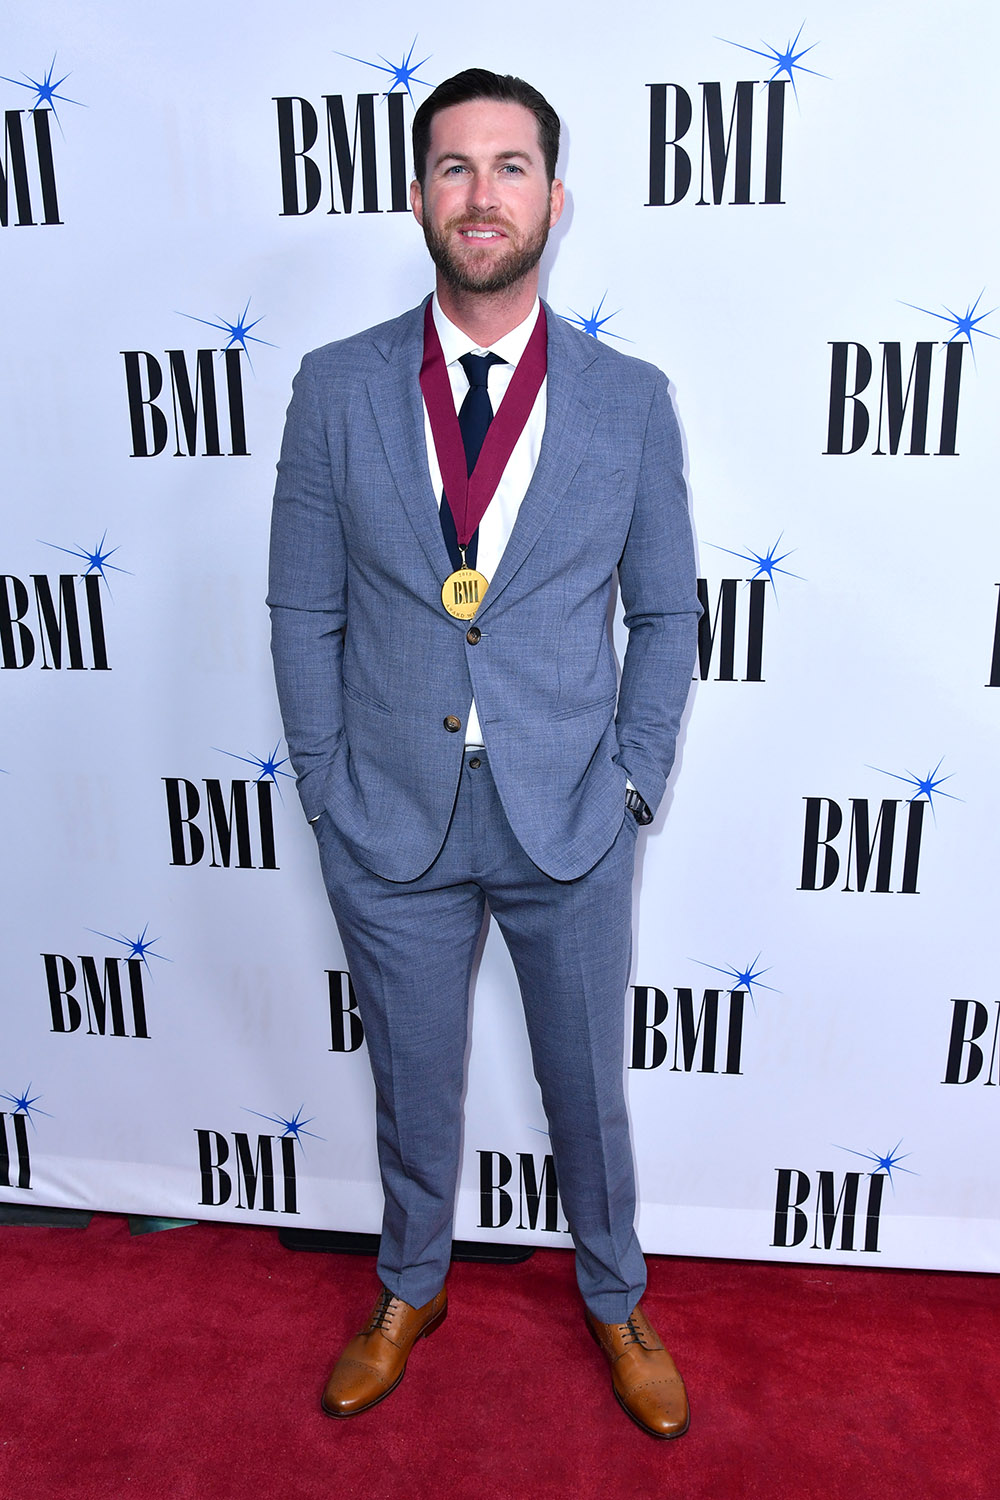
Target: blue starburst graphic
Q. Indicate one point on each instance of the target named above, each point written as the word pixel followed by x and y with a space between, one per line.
pixel 765 564
pixel 26 1104
pixel 928 786
pixel 965 324
pixel 46 90
pixel 888 1163
pixel 402 74
pixel 295 1127
pixel 745 978
pixel 138 947
pixel 269 766
pixel 595 324
pixel 787 62
pixel 239 332
pixel 96 558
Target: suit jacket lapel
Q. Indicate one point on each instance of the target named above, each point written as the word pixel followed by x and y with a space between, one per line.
pixel 397 405
pixel 570 414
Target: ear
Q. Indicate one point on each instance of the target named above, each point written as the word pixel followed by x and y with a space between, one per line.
pixel 417 202
pixel 557 201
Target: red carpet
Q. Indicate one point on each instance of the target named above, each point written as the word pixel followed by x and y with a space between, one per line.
pixel 188 1364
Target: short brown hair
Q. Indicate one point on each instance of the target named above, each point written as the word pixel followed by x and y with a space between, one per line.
pixel 480 83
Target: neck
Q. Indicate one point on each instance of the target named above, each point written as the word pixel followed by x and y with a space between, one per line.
pixel 487 316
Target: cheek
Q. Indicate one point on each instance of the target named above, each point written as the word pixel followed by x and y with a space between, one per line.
pixel 444 205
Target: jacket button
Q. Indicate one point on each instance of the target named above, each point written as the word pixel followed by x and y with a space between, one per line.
pixel 473 635
pixel 452 724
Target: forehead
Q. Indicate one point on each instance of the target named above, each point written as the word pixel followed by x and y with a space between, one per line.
pixel 484 127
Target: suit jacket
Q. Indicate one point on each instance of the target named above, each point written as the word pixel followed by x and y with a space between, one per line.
pixel 369 665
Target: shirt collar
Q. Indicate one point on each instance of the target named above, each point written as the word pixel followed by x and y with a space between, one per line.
pixel 455 343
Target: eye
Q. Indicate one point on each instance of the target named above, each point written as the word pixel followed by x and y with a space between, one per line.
pixel 513 169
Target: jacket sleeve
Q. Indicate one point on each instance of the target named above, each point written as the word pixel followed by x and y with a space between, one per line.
pixel 656 576
pixel 307 593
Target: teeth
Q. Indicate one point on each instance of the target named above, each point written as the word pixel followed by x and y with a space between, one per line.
pixel 480 234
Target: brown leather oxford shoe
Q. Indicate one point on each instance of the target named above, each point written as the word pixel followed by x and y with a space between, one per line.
pixel 646 1382
pixel 374 1361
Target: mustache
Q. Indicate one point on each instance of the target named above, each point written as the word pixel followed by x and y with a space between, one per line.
pixel 478 221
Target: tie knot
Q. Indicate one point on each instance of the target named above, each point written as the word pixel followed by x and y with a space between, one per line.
pixel 477 367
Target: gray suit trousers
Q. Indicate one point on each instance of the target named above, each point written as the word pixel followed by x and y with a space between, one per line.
pixel 410 947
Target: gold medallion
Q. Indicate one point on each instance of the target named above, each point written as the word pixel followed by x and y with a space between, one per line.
pixel 463 592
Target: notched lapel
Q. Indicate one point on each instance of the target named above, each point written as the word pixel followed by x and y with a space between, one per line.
pixel 394 392
pixel 571 409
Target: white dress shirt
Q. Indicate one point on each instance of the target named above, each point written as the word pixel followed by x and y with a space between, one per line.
pixel 498 522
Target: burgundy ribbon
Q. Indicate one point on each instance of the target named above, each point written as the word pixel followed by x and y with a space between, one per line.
pixel 469 495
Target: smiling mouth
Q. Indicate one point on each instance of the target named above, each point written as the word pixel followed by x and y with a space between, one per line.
pixel 481 234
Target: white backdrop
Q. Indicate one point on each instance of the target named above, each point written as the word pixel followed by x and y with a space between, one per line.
pixel 813 1023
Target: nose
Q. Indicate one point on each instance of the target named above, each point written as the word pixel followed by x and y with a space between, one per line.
pixel 482 193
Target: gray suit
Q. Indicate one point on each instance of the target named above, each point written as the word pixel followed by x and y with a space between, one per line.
pixel 372 674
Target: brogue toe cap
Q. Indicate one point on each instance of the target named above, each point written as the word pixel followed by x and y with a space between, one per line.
pixel 353 1386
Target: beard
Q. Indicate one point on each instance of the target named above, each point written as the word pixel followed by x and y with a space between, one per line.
pixel 488 271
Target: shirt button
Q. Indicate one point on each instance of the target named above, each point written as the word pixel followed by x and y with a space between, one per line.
pixel 452 724
pixel 475 763
pixel 473 635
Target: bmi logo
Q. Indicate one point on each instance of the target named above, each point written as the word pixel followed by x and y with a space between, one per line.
pixel 839 1212
pixel 230 820
pixel 914 406
pixel 15 1150
pixel 253 1171
pixel 974 1044
pixel 348 153
pixel 875 846
pixel 28 193
pixel 192 400
pixel 706 1040
pixel 346 1030
pixel 106 991
pixel 731 630
pixel 56 621
pixel 536 1192
pixel 737 144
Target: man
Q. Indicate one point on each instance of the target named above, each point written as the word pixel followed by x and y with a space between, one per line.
pixel 452 710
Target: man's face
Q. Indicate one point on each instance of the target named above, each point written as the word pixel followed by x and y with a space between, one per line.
pixel 486 206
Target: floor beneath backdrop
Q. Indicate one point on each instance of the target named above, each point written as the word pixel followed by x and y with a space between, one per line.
pixel 186 1365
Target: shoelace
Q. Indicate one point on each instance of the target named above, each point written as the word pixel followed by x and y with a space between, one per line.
pixel 383 1310
pixel 631 1334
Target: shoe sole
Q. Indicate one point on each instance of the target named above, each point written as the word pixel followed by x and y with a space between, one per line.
pixel 343 1416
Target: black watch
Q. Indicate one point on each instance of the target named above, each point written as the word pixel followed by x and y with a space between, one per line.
pixel 637 807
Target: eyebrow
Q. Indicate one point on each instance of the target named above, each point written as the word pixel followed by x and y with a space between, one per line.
pixel 500 156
